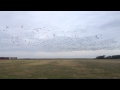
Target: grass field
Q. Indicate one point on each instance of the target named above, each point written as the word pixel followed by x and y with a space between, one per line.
pixel 59 69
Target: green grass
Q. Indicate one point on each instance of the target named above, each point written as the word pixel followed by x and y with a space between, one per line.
pixel 59 69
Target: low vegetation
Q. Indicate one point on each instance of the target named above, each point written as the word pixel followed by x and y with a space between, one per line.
pixel 108 57
pixel 60 69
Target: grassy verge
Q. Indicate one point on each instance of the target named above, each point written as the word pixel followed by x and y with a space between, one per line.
pixel 59 69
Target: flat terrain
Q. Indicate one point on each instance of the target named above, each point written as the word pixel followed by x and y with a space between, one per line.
pixel 60 69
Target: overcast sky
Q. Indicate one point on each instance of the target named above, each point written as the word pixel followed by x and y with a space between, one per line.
pixel 59 34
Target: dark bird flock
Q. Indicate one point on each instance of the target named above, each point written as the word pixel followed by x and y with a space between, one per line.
pixel 45 39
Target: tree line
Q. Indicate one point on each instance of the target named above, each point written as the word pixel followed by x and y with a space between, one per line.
pixel 108 57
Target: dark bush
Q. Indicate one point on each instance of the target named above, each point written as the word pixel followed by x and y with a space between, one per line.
pixel 101 57
pixel 108 57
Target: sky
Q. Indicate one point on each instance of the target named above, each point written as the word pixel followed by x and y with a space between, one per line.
pixel 59 34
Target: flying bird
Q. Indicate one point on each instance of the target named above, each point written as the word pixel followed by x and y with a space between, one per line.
pixel 7 27
pixel 21 26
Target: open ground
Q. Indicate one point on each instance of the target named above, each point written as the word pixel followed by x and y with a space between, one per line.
pixel 60 69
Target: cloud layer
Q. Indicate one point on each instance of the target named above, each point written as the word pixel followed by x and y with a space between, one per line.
pixel 62 33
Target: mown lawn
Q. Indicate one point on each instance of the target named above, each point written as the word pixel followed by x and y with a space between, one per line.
pixel 59 69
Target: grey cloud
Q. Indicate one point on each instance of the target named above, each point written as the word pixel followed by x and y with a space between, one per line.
pixel 59 31
pixel 111 24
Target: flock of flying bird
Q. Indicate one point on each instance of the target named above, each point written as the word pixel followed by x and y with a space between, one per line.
pixel 43 39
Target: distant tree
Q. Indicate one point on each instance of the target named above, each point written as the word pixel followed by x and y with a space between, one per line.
pixel 109 57
pixel 116 57
pixel 100 57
